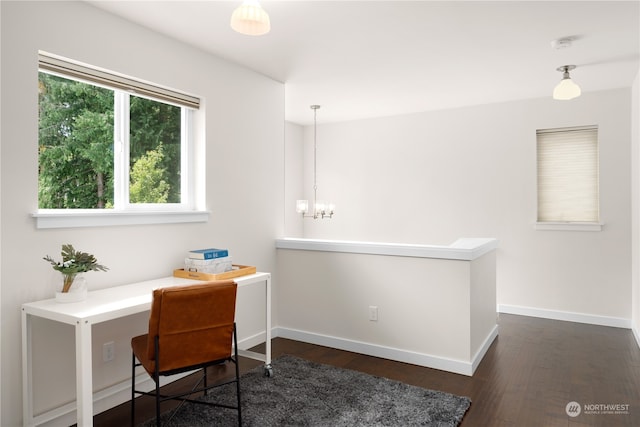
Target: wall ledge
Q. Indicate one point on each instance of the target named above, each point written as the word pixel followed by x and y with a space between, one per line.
pixel 76 218
pixel 464 249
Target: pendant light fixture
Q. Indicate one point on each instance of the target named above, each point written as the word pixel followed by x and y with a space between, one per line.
pixel 250 19
pixel 321 209
pixel 566 89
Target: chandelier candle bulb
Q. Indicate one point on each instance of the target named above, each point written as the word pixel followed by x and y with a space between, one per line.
pixel 302 206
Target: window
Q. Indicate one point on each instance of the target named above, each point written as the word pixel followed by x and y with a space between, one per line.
pixel 109 144
pixel 567 163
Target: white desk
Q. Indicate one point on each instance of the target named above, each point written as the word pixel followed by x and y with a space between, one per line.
pixel 101 306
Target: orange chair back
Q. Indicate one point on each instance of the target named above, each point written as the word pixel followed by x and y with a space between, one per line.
pixel 194 324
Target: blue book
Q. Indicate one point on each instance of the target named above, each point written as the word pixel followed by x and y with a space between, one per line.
pixel 210 253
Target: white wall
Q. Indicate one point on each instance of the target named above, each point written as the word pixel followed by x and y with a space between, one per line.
pixel 244 115
pixel 293 174
pixel 433 177
pixel 0 219
pixel 635 197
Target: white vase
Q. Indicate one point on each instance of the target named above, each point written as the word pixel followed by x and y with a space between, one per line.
pixel 77 291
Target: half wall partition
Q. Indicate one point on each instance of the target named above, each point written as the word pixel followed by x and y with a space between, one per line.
pixel 428 305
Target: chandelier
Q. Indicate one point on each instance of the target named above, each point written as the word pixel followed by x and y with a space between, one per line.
pixel 320 209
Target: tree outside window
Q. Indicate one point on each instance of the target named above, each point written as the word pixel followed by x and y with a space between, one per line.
pixel 77 148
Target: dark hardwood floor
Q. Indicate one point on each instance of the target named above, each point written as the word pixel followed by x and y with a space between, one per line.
pixel 529 375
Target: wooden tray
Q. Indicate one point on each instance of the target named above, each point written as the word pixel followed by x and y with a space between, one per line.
pixel 238 270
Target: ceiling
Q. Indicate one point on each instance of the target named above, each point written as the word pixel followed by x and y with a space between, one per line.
pixel 363 59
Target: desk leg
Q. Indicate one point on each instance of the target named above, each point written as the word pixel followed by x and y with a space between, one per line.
pixel 267 354
pixel 27 377
pixel 84 374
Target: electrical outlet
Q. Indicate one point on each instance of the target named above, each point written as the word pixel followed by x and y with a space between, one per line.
pixel 108 351
pixel 373 313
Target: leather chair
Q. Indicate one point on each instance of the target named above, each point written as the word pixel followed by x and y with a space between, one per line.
pixel 191 328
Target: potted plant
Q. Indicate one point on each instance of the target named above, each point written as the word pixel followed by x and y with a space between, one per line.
pixel 74 262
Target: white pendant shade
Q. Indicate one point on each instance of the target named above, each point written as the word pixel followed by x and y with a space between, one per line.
pixel 250 19
pixel 566 89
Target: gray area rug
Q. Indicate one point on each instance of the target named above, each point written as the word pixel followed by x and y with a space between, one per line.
pixel 303 393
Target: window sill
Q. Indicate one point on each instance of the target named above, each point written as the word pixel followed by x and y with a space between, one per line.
pixel 569 226
pixel 83 218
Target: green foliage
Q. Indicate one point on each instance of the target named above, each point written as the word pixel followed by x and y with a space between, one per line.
pixel 74 262
pixel 76 157
pixel 157 127
pixel 75 144
pixel 147 179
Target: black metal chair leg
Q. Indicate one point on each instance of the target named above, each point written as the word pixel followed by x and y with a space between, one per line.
pixel 238 392
pixel 133 390
pixel 204 373
pixel 156 379
pixel 236 362
pixel 157 402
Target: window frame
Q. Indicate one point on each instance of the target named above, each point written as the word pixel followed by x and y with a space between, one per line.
pixel 570 225
pixel 125 213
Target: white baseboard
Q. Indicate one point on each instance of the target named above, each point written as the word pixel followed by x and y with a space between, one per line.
pixel 477 358
pixel 636 334
pixel 253 340
pixel 616 322
pixel 420 359
pixel 102 400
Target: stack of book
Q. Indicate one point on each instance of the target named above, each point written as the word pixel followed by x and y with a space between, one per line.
pixel 210 261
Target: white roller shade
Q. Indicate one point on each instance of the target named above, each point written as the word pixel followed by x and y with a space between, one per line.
pixel 65 68
pixel 568 178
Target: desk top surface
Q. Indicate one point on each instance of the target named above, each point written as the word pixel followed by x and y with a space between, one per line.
pixel 118 301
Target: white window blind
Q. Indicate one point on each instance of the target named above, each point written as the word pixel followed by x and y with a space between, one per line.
pixel 65 68
pixel 567 161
